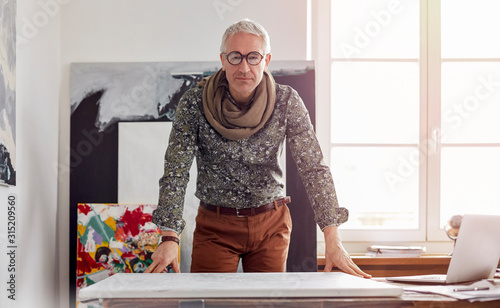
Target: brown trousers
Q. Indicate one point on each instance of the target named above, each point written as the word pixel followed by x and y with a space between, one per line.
pixel 261 241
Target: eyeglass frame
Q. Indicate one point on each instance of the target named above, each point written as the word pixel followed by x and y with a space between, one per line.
pixel 244 57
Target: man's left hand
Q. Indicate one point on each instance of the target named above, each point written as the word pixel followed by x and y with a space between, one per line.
pixel 337 256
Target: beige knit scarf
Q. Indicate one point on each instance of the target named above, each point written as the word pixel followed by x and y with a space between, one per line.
pixel 229 120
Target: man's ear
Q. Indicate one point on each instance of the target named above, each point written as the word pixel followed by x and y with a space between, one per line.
pixel 222 61
pixel 267 59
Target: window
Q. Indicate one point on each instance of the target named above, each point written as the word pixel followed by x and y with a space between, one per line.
pixel 470 106
pixel 415 93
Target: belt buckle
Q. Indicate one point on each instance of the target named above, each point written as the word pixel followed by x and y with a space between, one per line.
pixel 238 213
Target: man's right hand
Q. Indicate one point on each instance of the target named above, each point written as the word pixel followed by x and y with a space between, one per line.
pixel 166 254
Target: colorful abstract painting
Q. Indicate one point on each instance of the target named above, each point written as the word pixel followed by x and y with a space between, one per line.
pixel 8 92
pixel 114 238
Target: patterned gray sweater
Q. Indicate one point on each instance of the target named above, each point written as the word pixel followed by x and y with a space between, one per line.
pixel 243 173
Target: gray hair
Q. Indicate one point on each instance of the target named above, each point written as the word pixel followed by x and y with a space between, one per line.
pixel 249 26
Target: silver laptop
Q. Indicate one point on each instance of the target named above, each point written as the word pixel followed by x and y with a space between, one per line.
pixel 476 253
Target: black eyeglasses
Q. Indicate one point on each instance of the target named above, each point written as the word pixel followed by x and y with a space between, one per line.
pixel 235 58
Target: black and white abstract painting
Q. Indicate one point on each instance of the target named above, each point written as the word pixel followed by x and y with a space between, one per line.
pixel 8 92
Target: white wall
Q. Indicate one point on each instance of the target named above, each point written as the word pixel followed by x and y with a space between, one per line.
pixel 37 108
pixel 156 30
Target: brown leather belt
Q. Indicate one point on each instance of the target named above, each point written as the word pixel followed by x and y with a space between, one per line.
pixel 247 211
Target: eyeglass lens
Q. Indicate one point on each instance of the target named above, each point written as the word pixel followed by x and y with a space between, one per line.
pixel 235 58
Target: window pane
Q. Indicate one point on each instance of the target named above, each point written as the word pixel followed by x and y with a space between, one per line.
pixel 470 102
pixel 375 29
pixel 469 28
pixel 375 102
pixel 470 181
pixel 378 185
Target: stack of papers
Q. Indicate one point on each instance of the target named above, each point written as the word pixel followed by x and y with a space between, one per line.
pixel 395 251
pixel 482 291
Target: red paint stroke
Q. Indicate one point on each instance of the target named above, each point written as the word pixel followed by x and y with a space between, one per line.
pixel 84 208
pixel 128 255
pixel 132 220
pixel 79 282
pixel 84 262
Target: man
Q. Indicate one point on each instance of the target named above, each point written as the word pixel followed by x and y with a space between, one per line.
pixel 235 123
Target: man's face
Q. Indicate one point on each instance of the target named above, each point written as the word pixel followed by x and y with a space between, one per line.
pixel 243 78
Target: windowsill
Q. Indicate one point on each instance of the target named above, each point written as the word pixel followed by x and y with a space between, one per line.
pixel 359 248
pixel 387 267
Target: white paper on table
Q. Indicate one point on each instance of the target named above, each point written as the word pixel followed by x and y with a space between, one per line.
pixel 493 292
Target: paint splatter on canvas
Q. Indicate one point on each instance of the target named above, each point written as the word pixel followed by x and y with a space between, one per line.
pixel 8 92
pixel 114 238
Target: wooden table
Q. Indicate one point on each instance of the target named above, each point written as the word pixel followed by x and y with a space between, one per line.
pixel 407 300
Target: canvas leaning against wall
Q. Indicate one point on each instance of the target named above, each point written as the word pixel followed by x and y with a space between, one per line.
pixel 114 238
pixel 8 92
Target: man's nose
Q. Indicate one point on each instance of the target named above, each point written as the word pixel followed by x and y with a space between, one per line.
pixel 244 66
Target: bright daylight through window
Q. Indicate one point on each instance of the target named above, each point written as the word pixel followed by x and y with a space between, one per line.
pixel 415 97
